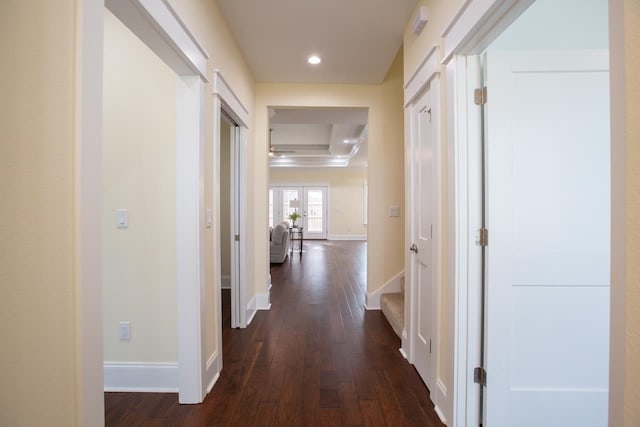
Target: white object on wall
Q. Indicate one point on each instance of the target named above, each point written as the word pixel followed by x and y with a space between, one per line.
pixel 420 20
pixel 122 218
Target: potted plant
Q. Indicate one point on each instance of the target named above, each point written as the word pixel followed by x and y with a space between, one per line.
pixel 294 216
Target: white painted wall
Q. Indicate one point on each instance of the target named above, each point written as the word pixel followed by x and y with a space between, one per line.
pixel 139 163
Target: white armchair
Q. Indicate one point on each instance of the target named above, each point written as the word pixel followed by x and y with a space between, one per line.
pixel 279 245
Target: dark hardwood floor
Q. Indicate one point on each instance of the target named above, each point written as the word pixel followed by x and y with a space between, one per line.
pixel 317 358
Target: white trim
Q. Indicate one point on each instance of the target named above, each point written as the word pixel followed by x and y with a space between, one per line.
pixel 441 400
pixel 89 390
pixel 149 377
pixel 251 310
pixel 372 299
pixel 477 23
pixel 404 339
pixel 465 164
pixel 346 237
pixel 190 237
pixel 422 76
pixel 212 370
pixel 158 25
pixel 403 353
pixel 263 301
pixel 233 105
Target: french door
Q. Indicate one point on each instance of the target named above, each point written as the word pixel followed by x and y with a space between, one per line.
pixel 309 202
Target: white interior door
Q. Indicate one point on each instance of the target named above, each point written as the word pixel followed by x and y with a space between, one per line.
pixel 423 266
pixel 548 216
pixel 315 212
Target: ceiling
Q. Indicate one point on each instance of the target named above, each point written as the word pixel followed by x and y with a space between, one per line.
pixel 356 39
pixel 318 137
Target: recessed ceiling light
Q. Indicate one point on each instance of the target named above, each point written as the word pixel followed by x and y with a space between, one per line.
pixel 314 60
pixel 346 141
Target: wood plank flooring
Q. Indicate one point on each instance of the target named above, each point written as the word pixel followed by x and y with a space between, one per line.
pixel 317 358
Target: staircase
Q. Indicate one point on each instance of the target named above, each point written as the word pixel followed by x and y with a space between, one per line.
pixel 392 305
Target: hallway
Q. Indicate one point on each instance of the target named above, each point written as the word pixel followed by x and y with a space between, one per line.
pixel 316 358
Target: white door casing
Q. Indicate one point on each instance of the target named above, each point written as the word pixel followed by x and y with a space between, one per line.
pixel 548 216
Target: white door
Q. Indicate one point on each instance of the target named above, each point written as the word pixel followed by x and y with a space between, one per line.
pixel 547 213
pixel 315 212
pixel 423 266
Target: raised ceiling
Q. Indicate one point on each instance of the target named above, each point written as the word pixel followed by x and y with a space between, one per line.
pixel 318 137
pixel 356 39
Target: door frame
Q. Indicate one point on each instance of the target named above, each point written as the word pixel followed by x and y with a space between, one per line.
pixel 476 25
pixel 225 102
pixel 158 25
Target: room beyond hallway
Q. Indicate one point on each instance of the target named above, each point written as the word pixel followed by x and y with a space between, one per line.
pixel 316 358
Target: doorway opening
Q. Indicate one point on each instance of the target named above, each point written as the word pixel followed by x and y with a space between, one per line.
pixel 189 202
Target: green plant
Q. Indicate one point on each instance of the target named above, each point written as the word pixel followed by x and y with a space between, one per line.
pixel 294 216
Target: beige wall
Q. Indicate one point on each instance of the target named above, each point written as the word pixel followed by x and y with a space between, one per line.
pixel 416 46
pixel 37 311
pixel 346 194
pixel 139 174
pixel 205 21
pixel 225 199
pixel 385 255
pixel 625 287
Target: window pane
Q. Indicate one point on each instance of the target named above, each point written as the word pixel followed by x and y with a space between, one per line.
pixel 314 211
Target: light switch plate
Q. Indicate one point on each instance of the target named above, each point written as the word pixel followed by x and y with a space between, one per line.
pixel 394 211
pixel 209 218
pixel 122 218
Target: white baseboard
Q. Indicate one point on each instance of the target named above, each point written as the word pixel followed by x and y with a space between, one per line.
pixel 263 301
pixel 347 237
pixel 141 377
pixel 212 372
pixel 403 353
pixel 404 346
pixel 225 282
pixel 372 301
pixel 250 310
pixel 440 399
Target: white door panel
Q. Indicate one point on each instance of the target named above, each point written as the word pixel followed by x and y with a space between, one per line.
pixel 547 213
pixel 423 265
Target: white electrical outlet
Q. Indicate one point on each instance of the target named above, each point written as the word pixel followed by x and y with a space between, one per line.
pixel 124 331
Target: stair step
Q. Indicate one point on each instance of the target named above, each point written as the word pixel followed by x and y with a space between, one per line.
pixel 392 305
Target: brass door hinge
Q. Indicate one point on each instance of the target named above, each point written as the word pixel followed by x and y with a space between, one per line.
pixel 480 96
